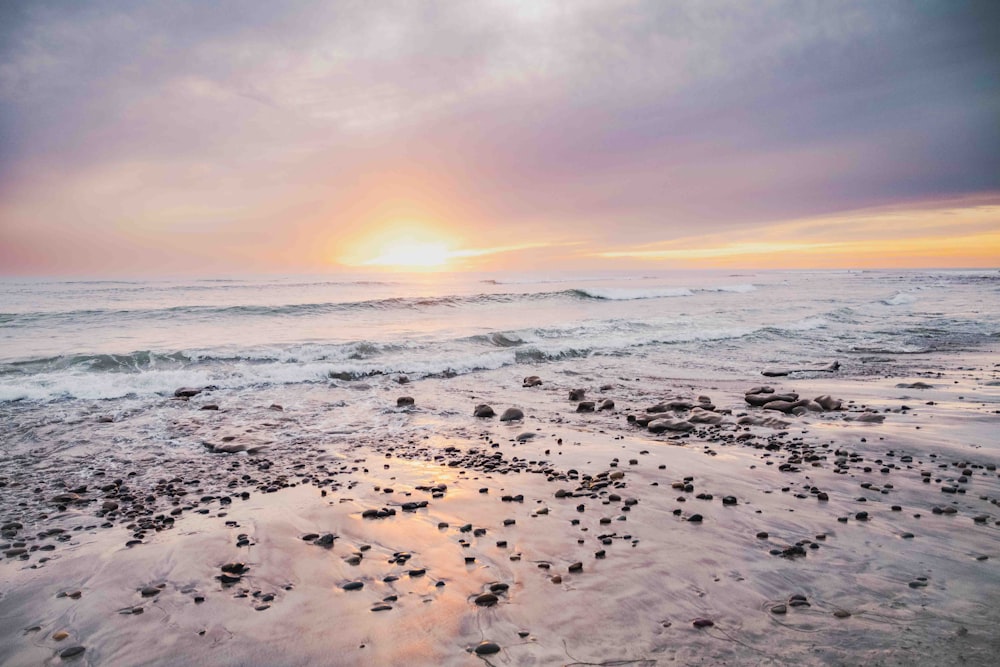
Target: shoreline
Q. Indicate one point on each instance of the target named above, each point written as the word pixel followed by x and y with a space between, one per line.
pixel 890 589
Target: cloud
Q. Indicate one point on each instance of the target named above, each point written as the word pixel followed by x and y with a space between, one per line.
pixel 275 130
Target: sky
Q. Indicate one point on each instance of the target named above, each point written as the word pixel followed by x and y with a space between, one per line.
pixel 166 138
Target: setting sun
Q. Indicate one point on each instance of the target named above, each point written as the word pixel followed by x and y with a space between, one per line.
pixel 412 255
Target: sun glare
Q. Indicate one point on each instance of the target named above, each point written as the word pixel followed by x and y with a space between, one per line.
pixel 416 255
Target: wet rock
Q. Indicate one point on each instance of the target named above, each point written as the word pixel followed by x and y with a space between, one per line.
pixel 677 425
pixel 828 403
pixel 186 392
pixel 531 381
pixel 607 404
pixel 149 591
pixel 512 414
pixel 487 648
pixel 72 652
pixel 486 600
pixel 779 609
pixel 484 411
pixel 60 635
pixel 404 401
pixel 703 623
pixel 576 567
pixel 585 406
pixel 353 586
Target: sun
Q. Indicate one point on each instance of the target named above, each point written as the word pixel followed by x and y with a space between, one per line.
pixel 411 255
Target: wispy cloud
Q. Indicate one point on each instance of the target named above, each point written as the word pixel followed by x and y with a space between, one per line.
pixel 273 132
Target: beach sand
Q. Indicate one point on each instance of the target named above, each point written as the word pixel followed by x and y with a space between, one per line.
pixel 601 561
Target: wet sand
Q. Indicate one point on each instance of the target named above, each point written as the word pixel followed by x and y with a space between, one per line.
pixel 827 541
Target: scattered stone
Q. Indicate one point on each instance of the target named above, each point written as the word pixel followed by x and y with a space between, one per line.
pixel 404 401
pixel 512 414
pixel 484 411
pixel 72 652
pixel 486 600
pixel 487 648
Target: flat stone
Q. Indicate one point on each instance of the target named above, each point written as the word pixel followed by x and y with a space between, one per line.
pixel 487 648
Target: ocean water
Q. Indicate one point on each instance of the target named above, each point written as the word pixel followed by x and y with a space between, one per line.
pixel 65 340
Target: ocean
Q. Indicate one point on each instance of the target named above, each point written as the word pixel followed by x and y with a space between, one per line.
pixel 64 340
pixel 331 467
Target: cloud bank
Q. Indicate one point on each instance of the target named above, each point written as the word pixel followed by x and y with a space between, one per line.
pixel 268 136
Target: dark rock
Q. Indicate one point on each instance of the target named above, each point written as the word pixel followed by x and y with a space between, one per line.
pixel 531 381
pixel 512 414
pixel 607 404
pixel 353 586
pixel 703 623
pixel 484 411
pixel 487 648
pixel 585 406
pixel 486 600
pixel 186 392
pixel 404 401
pixel 72 652
pixel 576 394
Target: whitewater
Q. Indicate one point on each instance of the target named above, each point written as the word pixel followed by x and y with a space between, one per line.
pixel 63 340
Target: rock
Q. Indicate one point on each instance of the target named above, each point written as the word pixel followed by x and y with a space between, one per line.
pixel 487 648
pixel 827 402
pixel 186 392
pixel 381 607
pixel 667 424
pixel 353 586
pixel 149 591
pixel 576 394
pixel 404 401
pixel 760 400
pixel 486 600
pixel 869 418
pixel 576 567
pixel 702 416
pixel 781 406
pixel 779 609
pixel 914 385
pixel 235 568
pixel 841 613
pixel 729 500
pixel 695 518
pixel 531 381
pixel 72 652
pixel 59 636
pixel 210 406
pixel 607 404
pixel 512 414
pixel 527 435
pixel 703 623
pixel 829 368
pixel 585 406
pixel 327 539
pixel 484 411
